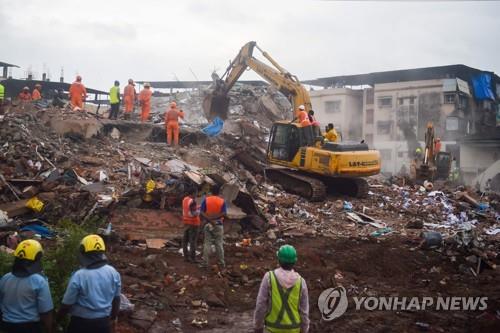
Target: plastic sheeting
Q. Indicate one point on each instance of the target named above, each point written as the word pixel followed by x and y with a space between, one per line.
pixel 214 128
pixel 482 87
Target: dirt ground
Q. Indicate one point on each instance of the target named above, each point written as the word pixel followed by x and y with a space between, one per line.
pixel 365 267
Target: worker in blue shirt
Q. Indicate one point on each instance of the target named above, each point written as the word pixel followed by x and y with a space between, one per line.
pixel 25 300
pixel 93 293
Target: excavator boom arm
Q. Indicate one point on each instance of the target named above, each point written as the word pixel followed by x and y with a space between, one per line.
pixel 217 103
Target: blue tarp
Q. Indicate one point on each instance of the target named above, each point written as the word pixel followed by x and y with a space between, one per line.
pixel 482 87
pixel 214 128
pixel 38 229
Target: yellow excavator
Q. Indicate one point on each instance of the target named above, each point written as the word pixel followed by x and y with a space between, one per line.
pixel 298 161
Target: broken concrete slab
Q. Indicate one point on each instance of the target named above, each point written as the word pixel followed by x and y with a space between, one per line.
pixel 86 127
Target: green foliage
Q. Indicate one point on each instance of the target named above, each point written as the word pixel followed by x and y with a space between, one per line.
pixel 6 261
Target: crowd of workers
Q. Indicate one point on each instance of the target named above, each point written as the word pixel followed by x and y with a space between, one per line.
pixel 92 296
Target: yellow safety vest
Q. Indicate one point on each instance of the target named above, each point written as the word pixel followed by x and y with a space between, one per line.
pixel 113 95
pixel 284 316
pixel 2 91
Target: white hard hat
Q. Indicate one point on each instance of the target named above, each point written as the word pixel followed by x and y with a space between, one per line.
pixel 302 107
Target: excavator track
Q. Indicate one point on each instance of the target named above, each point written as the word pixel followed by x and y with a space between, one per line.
pixel 315 187
pixel 293 182
pixel 354 187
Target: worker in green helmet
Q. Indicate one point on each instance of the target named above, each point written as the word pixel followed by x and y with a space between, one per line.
pixel 283 301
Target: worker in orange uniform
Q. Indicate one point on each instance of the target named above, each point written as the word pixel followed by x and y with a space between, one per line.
pixel 129 98
pixel 77 93
pixel 145 101
pixel 191 219
pixel 172 123
pixel 25 95
pixel 36 94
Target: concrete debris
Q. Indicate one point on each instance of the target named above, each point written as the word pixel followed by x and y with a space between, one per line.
pixel 124 175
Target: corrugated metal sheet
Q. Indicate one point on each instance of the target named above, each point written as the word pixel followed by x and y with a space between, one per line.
pixel 463 86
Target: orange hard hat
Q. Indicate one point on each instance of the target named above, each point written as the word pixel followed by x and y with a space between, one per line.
pixel 78 78
pixel 173 104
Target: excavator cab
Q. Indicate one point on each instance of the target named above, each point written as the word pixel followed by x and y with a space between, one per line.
pixel 285 139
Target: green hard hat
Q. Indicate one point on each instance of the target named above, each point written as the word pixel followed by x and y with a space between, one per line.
pixel 287 254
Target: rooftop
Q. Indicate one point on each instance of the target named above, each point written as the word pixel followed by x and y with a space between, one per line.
pixel 426 73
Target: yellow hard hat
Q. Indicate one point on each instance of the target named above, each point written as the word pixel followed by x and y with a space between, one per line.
pixel 92 243
pixel 29 250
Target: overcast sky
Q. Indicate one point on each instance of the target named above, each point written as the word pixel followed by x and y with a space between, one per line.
pixel 164 40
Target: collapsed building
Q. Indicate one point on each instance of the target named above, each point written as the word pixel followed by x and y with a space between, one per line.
pixel 390 110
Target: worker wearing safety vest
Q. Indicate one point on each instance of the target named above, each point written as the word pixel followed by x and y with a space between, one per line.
pixel 213 209
pixel 25 301
pixel 191 219
pixel 114 100
pixel 92 296
pixel 283 301
pixel 172 123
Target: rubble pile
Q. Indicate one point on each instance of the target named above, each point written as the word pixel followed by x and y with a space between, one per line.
pixel 260 105
pixel 56 164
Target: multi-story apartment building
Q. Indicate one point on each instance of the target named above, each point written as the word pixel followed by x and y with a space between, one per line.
pixel 390 110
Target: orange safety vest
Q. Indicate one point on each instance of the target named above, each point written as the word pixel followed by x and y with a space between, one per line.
pixel 214 205
pixel 186 212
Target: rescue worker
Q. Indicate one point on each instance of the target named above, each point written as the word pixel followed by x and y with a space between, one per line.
pixel 25 95
pixel 93 292
pixel 172 123
pixel 314 123
pixel 129 98
pixel 213 209
pixel 283 301
pixel 303 117
pixel 145 101
pixel 77 93
pixel 25 300
pixel 114 100
pixel 191 220
pixel 331 134
pixel 2 97
pixel 36 94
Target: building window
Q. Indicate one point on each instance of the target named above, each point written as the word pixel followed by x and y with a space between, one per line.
pixel 384 126
pixel 332 107
pixel 385 154
pixel 449 98
pixel 369 116
pixel 370 95
pixel 385 102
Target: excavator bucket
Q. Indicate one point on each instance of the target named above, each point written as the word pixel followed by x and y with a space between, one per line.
pixel 216 106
